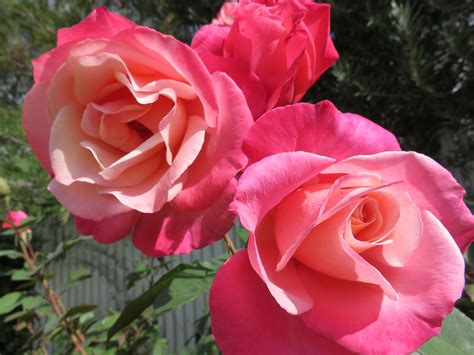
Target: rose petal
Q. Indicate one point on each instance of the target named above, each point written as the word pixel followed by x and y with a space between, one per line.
pixel 407 232
pixel 152 194
pixel 221 157
pixel 36 123
pixel 109 230
pixel 256 317
pixel 69 160
pixel 210 40
pixel 325 250
pixel 284 284
pixel 172 231
pixel 353 313
pixel 319 129
pixel 86 201
pixel 247 81
pixel 442 196
pixel 171 55
pixel 99 24
pixel 266 183
pixel 303 209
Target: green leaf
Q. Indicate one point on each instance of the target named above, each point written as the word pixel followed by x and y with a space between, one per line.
pixel 104 324
pixel 31 302
pixel 52 323
pixel 22 315
pixel 456 337
pixel 79 274
pixel 83 308
pixel 180 285
pixel 11 254
pixel 161 347
pixel 20 275
pixel 243 235
pixel 9 302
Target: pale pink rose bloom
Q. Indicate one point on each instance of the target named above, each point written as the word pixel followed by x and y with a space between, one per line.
pixel 14 219
pixel 274 49
pixel 137 135
pixel 225 17
pixel 355 246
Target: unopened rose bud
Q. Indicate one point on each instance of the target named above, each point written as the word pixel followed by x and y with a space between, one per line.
pixel 15 219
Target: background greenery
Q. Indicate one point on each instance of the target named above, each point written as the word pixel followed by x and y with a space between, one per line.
pixel 407 65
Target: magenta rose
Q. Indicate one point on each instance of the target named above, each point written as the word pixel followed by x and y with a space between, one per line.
pixel 273 49
pixel 137 135
pixel 355 246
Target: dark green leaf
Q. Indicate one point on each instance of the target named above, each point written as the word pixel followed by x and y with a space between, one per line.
pixel 9 302
pixel 456 338
pixel 83 308
pixel 22 315
pixel 180 285
pixel 33 338
pixel 12 254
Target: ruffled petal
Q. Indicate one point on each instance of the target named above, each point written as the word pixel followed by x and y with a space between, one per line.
pixel 221 157
pixel 264 184
pixel 319 129
pixel 171 231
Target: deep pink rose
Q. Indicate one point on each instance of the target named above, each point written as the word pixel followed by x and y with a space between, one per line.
pixel 354 245
pixel 273 49
pixel 14 219
pixel 137 135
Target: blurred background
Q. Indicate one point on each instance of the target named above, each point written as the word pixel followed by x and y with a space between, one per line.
pixel 407 65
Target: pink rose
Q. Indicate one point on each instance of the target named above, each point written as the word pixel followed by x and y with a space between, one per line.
pixel 14 219
pixel 354 245
pixel 137 135
pixel 274 49
pixel 225 17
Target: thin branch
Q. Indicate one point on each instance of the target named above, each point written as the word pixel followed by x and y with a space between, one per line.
pixel 230 244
